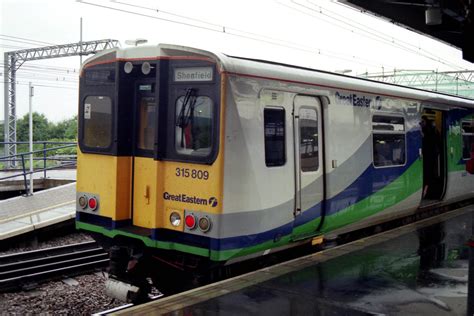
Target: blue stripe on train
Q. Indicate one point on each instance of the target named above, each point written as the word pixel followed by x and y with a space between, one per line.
pixel 369 182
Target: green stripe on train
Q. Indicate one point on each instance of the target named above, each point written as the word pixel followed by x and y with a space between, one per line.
pixel 400 189
pixel 410 182
pixel 407 184
pixel 146 240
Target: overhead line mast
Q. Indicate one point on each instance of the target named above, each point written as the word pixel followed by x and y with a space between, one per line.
pixel 13 61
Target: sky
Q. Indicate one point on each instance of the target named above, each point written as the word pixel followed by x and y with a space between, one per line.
pixel 320 34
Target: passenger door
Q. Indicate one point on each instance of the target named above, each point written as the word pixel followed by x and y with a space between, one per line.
pixel 308 153
pixel 144 166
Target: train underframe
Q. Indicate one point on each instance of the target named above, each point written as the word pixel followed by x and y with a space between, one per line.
pixel 137 272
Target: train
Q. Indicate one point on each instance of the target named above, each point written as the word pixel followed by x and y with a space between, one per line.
pixel 191 160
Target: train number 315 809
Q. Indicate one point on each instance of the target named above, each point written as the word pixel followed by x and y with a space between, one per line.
pixel 192 173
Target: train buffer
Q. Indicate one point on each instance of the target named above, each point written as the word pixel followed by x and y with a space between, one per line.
pixel 420 268
pixel 21 215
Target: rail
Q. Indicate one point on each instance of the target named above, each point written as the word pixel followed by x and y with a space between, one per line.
pixel 64 160
pixel 22 270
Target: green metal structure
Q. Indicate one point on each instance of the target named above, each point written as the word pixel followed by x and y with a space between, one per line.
pixel 460 83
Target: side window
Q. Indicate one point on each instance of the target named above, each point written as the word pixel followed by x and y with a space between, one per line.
pixel 97 122
pixel 309 139
pixel 274 129
pixel 467 131
pixel 194 121
pixel 388 140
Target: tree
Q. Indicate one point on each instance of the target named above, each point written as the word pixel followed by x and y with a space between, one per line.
pixel 66 129
pixel 41 128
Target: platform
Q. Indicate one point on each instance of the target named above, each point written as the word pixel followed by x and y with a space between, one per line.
pixel 419 269
pixel 23 214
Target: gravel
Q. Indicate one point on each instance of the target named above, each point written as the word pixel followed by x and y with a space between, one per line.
pixel 81 295
pixel 54 242
pixel 84 297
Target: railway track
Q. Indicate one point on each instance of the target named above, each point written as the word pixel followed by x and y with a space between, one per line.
pixel 25 270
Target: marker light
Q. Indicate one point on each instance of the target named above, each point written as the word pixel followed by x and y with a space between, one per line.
pixel 83 201
pixel 190 221
pixel 146 68
pixel 175 219
pixel 93 203
pixel 204 224
pixel 128 67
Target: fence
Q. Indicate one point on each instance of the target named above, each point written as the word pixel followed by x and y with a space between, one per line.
pixel 49 157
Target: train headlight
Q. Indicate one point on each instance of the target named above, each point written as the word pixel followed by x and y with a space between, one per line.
pixel 190 221
pixel 175 219
pixel 204 224
pixel 82 201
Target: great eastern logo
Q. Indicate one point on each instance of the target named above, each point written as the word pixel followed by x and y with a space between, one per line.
pixel 190 199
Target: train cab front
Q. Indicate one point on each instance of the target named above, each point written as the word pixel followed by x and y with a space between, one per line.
pixel 149 175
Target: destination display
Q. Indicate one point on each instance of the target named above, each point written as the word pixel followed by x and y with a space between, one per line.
pixel 193 74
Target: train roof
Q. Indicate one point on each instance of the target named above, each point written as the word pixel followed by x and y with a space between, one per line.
pixel 256 68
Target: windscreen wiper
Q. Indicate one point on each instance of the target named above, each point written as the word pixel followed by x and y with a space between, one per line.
pixel 186 114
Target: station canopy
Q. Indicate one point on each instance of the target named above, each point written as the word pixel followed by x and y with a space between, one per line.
pixel 449 21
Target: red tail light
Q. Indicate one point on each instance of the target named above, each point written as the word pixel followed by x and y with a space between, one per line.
pixel 93 203
pixel 190 221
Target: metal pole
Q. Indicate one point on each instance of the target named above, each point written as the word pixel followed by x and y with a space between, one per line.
pixel 44 160
pixel 11 102
pixel 5 100
pixel 80 44
pixel 24 173
pixel 31 92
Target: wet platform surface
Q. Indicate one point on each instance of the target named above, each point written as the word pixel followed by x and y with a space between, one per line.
pixel 420 269
pixel 22 214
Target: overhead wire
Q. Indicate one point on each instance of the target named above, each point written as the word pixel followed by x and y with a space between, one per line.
pixel 58 69
pixel 261 38
pixel 27 39
pixel 372 35
pixel 43 85
pixel 381 37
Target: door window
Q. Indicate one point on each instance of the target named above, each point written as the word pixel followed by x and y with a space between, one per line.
pixel 309 151
pixel 147 121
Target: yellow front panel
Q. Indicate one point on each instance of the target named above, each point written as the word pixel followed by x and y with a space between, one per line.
pixel 181 179
pixel 108 177
pixel 161 188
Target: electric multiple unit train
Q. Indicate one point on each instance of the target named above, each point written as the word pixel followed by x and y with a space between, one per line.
pixel 192 159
